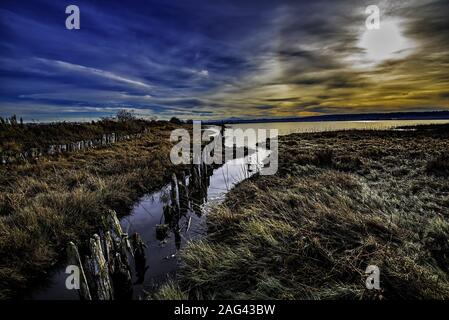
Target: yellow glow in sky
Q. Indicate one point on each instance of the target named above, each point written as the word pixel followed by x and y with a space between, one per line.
pixel 387 42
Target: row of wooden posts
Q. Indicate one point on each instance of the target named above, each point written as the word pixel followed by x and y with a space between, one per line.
pixel 196 189
pixel 34 154
pixel 186 193
pixel 105 271
pixel 105 274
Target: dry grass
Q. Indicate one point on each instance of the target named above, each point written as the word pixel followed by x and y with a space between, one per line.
pixel 341 201
pixel 170 291
pixel 20 137
pixel 45 205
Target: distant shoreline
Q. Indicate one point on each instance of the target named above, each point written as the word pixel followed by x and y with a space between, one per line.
pixel 431 115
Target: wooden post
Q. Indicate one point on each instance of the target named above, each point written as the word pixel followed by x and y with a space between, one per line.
pixel 140 261
pixel 119 238
pixel 183 192
pixel 193 178
pixel 175 192
pixel 127 244
pixel 122 280
pixel 162 231
pixel 124 249
pixel 109 250
pixel 199 174
pixel 90 276
pixel 100 269
pixel 204 176
pixel 113 225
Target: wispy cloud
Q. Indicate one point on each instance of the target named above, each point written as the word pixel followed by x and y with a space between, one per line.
pixel 94 72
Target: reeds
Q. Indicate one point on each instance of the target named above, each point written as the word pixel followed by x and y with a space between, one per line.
pixel 310 231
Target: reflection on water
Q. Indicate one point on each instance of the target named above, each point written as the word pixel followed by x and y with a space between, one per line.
pixel 163 222
pixel 166 220
pixel 285 128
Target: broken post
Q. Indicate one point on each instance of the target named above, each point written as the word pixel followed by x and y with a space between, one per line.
pixel 113 225
pixel 100 269
pixel 121 278
pixel 175 193
pixel 109 250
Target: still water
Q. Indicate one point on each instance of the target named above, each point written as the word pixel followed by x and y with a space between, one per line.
pixel 285 128
pixel 162 254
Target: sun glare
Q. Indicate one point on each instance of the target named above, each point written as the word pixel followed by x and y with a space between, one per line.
pixel 386 43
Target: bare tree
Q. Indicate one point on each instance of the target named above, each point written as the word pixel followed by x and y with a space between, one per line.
pixel 125 115
pixel 175 120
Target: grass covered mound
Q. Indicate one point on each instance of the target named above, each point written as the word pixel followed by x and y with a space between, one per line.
pixel 43 206
pixel 341 201
pixel 18 137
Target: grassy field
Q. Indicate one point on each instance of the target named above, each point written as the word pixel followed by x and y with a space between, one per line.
pixel 61 199
pixel 18 137
pixel 340 201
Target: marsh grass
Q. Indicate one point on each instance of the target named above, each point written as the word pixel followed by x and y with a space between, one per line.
pixel 45 205
pixel 170 291
pixel 310 231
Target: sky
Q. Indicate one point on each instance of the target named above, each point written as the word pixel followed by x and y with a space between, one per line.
pixel 221 59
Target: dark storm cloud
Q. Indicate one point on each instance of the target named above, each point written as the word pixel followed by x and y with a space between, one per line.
pixel 265 107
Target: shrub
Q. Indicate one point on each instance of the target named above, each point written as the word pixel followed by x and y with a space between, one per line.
pixel 439 165
pixel 175 120
pixel 324 158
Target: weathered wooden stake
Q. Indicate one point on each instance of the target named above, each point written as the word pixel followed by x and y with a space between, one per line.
pixel 175 192
pixel 113 224
pixel 109 250
pixel 100 269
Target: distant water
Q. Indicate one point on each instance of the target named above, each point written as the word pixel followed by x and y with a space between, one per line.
pixel 301 127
